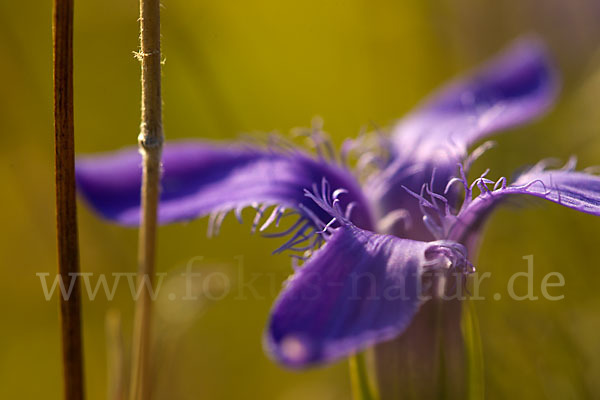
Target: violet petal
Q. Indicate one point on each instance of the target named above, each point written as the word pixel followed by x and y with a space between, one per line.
pixel 359 289
pixel 517 86
pixel 201 178
pixel 576 190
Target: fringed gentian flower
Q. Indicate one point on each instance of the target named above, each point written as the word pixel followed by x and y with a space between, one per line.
pixel 364 242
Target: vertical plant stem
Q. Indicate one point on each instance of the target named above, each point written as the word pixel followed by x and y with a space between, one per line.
pixel 66 212
pixel 150 141
pixel 475 385
pixel 114 356
pixel 359 379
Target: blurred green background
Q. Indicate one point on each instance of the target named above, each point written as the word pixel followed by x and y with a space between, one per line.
pixel 262 65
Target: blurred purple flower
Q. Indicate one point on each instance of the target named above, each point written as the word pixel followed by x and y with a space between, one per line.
pixel 365 247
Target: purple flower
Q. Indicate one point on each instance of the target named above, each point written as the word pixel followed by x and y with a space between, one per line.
pixel 365 243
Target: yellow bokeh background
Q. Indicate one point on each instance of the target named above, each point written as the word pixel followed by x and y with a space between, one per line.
pixel 233 67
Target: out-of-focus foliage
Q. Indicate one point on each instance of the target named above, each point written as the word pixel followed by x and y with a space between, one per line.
pixel 243 66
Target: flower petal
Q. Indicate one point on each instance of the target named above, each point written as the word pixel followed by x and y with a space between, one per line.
pixel 201 178
pixel 359 289
pixel 517 86
pixel 577 190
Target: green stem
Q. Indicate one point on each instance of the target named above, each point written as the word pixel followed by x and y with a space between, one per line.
pixel 362 389
pixel 473 353
pixel 115 356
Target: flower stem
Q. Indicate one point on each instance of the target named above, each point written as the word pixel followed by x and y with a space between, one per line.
pixel 66 211
pixel 114 356
pixel 475 388
pixel 359 379
pixel 150 141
